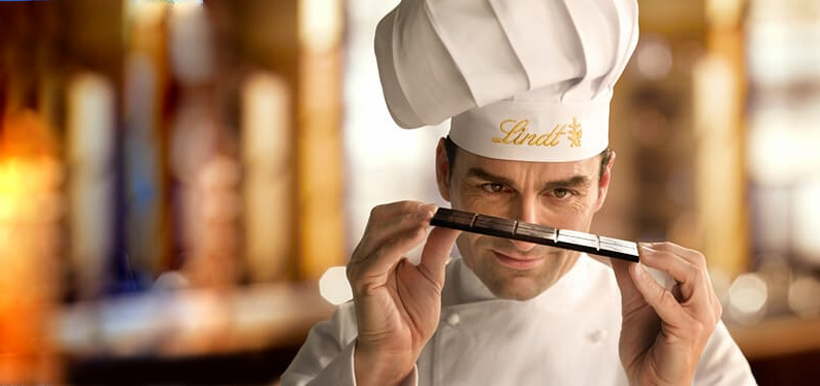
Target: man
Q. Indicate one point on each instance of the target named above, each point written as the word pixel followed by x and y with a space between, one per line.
pixel 527 84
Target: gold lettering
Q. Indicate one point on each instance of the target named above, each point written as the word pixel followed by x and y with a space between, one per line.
pixel 555 135
pixel 515 133
pixel 520 126
pixel 529 139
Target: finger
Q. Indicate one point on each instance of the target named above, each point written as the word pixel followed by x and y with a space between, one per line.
pixel 678 268
pixel 687 254
pixel 385 257
pixel 393 209
pixel 436 252
pixel 621 269
pixel 658 297
pixel 631 297
pixel 382 230
pixel 693 280
pixel 388 220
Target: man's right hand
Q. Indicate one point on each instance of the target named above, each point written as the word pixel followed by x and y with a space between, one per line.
pixel 397 303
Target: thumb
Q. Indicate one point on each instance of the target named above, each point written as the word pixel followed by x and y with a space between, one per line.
pixel 436 252
pixel 625 283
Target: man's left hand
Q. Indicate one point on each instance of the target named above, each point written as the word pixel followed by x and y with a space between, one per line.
pixel 664 332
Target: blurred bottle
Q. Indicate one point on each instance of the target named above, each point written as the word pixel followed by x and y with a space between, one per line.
pixel 145 93
pixel 31 201
pixel 268 166
pixel 90 155
pixel 31 205
pixel 205 171
pixel 319 143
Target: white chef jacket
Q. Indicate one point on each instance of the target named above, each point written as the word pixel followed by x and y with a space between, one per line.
pixel 568 335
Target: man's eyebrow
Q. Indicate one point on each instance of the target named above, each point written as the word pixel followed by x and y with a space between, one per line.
pixel 485 175
pixel 572 182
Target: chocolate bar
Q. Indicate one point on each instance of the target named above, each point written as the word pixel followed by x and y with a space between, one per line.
pixel 538 234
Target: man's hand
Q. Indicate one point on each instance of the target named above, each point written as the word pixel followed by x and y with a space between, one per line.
pixel 397 304
pixel 664 332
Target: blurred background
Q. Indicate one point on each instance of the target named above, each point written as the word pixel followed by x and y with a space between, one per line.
pixel 176 176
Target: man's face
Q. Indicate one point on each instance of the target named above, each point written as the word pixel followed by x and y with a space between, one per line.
pixel 564 195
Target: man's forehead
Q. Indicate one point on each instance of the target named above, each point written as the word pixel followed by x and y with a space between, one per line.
pixel 510 168
pixel 579 172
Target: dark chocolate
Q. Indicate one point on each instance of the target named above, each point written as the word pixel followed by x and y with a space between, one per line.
pixel 534 233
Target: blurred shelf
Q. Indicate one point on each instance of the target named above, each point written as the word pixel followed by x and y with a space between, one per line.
pixel 778 337
pixel 191 323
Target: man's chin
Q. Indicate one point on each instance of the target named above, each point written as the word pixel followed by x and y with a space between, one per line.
pixel 516 295
pixel 517 288
pixel 524 284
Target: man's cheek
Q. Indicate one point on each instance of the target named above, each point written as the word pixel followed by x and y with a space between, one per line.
pixel 572 216
pixel 475 202
pixel 466 241
pixel 463 244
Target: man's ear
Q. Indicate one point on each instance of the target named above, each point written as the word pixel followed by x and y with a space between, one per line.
pixel 442 171
pixel 603 184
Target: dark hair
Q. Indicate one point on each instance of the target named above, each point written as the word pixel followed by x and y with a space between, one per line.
pixel 450 148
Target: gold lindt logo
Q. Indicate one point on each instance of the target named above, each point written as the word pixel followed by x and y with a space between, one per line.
pixel 515 133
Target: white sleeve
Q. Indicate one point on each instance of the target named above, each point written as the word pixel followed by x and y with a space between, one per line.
pixel 722 362
pixel 326 358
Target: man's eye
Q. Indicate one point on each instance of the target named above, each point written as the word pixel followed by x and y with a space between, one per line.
pixel 561 193
pixel 492 188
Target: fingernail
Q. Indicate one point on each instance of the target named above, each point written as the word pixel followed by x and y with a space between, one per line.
pixel 646 247
pixel 426 211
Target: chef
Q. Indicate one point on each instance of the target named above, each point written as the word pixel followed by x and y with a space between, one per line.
pixel 528 85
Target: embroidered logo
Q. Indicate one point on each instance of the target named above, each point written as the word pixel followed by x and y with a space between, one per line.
pixel 575 133
pixel 516 132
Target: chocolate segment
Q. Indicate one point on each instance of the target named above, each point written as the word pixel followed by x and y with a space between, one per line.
pixel 534 233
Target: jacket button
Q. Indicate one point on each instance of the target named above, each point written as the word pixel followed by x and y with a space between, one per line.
pixel 597 335
pixel 453 319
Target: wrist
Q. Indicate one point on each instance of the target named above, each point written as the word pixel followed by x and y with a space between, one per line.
pixel 657 381
pixel 374 367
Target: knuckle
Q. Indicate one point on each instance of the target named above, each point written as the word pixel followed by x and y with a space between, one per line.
pixel 377 211
pixel 700 258
pixel 666 297
pixel 697 328
pixel 695 274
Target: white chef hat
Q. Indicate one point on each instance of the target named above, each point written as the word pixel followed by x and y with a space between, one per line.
pixel 527 80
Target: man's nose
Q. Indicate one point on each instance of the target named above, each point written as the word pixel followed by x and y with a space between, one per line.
pixel 527 210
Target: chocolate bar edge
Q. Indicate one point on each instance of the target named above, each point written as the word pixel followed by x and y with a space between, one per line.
pixel 490 232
